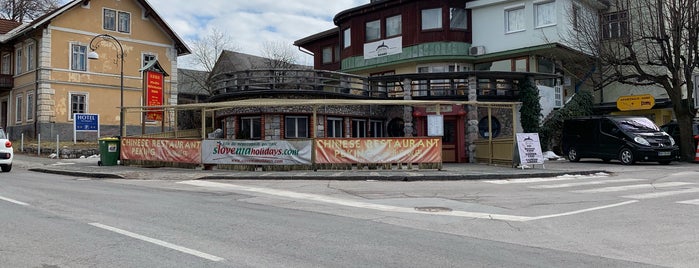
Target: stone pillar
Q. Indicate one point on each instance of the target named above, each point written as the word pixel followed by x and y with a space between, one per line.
pixel 407 110
pixel 472 121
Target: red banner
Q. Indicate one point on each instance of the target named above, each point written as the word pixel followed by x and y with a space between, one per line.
pixel 154 94
pixel 378 150
pixel 165 150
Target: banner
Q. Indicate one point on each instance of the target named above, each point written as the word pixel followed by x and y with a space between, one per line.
pixel 154 94
pixel 247 152
pixel 378 150
pixel 164 150
pixel 383 48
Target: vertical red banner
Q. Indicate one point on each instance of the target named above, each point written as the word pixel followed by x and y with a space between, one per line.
pixel 154 94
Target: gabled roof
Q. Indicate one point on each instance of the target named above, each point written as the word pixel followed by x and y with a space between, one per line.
pixel 180 45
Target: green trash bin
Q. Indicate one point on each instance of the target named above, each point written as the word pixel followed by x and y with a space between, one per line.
pixel 109 151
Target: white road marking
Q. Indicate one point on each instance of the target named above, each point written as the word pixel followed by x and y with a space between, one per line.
pixel 536 180
pixel 584 210
pixel 574 184
pixel 690 202
pixel 386 208
pixel 158 242
pixel 62 164
pixel 662 194
pixel 633 187
pixel 13 201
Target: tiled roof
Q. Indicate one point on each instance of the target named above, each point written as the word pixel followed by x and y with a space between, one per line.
pixel 7 25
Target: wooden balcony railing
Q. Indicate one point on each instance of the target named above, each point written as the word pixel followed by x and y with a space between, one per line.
pixel 6 82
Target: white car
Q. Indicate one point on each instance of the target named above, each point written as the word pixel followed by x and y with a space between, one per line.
pixel 6 152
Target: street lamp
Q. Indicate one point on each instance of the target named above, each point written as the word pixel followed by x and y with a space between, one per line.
pixel 120 54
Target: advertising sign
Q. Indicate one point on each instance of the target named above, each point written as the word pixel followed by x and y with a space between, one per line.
pixel 247 152
pixel 435 125
pixel 529 149
pixel 154 94
pixel 164 150
pixel 378 150
pixel 85 123
pixel 635 102
pixel 383 48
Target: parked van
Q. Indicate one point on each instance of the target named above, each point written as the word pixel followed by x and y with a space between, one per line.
pixel 626 138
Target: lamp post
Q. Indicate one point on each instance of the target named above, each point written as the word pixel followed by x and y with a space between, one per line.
pixel 120 55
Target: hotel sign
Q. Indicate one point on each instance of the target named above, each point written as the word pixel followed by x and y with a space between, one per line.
pixel 383 48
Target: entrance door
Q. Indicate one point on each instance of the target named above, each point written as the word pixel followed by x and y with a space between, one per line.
pixel 449 140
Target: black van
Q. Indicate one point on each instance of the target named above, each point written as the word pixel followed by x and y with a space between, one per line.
pixel 627 138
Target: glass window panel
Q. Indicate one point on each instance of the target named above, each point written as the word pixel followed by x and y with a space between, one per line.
pixel 394 26
pixel 373 30
pixel 327 55
pixel 347 37
pixel 432 18
pixel 124 22
pixel 109 20
pixel 545 14
pixel 515 19
pixel 457 18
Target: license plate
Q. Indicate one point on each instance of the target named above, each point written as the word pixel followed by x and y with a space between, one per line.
pixel 664 153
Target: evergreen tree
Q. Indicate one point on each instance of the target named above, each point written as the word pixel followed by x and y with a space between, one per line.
pixel 531 107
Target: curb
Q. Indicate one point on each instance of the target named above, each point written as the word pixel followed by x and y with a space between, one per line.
pixel 78 173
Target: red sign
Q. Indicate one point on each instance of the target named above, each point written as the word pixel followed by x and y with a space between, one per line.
pixel 163 150
pixel 154 94
pixel 378 150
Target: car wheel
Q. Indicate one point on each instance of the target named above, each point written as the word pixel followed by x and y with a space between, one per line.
pixel 626 156
pixel 573 155
pixel 6 168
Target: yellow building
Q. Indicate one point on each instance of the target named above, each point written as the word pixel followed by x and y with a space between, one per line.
pixel 46 75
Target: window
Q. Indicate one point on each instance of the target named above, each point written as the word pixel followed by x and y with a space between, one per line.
pixel 296 127
pixel 376 128
pixel 78 104
pixel 18 61
pixel 576 17
pixel 431 19
pixel 615 25
pixel 373 30
pixel 327 55
pixel 116 21
pixel 124 22
pixel 545 14
pixel 250 128
pixel 483 127
pixel 30 106
pixel 514 20
pixel 347 37
pixel 334 127
pixel 358 128
pixel 30 57
pixel 394 26
pixel 6 63
pixel 18 109
pixel 558 96
pixel 337 53
pixel 78 58
pixel 457 19
pixel 146 57
pixel 109 20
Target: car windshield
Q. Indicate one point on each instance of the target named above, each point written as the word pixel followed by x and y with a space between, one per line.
pixel 2 134
pixel 637 124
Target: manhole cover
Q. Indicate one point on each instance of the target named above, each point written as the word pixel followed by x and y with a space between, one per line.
pixel 433 209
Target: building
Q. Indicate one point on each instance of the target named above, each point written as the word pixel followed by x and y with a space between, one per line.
pixel 47 76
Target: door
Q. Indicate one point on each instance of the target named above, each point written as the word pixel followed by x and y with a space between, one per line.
pixel 449 140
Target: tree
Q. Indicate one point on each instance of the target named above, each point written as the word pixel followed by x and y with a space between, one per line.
pixel 21 10
pixel 550 132
pixel 531 107
pixel 205 52
pixel 278 55
pixel 646 43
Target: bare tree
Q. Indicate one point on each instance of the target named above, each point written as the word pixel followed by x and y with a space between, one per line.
pixel 26 10
pixel 646 43
pixel 205 53
pixel 278 55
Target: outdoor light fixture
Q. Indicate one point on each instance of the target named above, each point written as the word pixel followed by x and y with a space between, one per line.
pixel 120 55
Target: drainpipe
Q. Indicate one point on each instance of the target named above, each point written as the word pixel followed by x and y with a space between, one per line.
pixel 37 46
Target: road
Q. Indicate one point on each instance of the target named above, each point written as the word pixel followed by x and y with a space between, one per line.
pixel 644 217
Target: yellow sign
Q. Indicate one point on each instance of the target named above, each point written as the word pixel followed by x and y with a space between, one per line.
pixel 635 102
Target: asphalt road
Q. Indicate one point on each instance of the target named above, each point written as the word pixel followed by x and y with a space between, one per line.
pixel 635 219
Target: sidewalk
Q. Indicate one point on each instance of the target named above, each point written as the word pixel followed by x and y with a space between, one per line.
pixel 87 167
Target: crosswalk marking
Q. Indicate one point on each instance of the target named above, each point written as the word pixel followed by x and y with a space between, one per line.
pixel 574 184
pixel 662 194
pixel 535 180
pixel 690 202
pixel 633 187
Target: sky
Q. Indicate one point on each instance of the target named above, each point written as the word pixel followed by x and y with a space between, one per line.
pixel 251 23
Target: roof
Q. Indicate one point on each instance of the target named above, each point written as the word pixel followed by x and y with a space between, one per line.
pixel 231 61
pixel 327 33
pixel 8 25
pixel 189 82
pixel 42 21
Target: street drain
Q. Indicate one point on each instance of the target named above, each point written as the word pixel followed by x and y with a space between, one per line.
pixel 433 209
